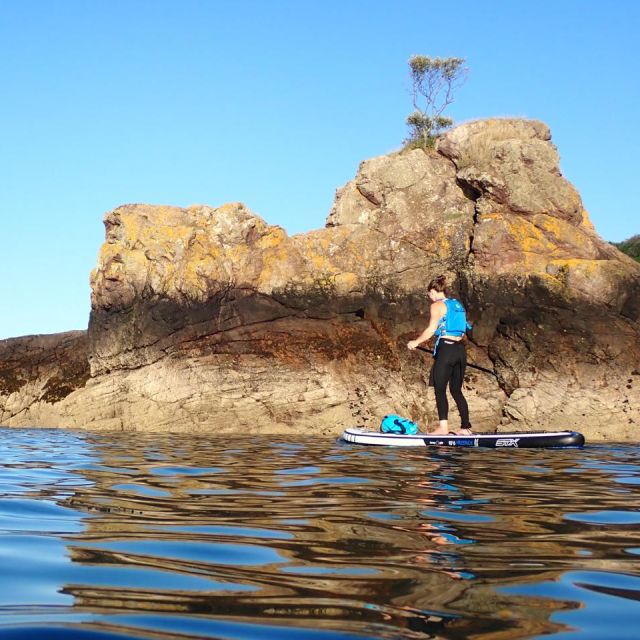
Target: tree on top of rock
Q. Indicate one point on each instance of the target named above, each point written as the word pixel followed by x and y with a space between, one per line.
pixel 433 81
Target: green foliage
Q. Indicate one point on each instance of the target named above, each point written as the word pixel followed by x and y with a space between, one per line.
pixel 433 81
pixel 630 246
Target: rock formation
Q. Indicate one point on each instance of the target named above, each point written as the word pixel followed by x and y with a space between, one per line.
pixel 208 318
pixel 37 372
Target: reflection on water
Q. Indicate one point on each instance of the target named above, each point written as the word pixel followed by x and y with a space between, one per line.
pixel 191 536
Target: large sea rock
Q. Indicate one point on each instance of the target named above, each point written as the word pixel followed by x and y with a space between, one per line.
pixel 211 319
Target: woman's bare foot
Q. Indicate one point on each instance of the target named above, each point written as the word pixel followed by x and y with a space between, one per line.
pixel 442 429
pixel 464 432
pixel 439 431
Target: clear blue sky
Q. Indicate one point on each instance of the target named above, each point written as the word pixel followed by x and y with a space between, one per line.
pixel 273 103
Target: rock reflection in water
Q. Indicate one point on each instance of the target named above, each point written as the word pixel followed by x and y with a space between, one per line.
pixel 190 536
pixel 281 539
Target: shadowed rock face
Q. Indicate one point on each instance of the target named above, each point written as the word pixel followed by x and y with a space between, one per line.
pixel 37 372
pixel 209 318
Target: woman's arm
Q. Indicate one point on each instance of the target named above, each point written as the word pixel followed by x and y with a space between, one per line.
pixel 437 310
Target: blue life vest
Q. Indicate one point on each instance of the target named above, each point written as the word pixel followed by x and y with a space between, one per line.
pixel 453 322
pixel 397 424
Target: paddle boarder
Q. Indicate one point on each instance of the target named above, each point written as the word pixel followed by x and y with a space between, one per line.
pixel 448 323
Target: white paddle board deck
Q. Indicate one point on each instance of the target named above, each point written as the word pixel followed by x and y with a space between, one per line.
pixel 518 440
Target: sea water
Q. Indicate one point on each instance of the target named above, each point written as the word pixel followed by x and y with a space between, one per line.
pixel 201 536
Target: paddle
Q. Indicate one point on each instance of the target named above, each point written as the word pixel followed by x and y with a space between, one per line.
pixel 473 366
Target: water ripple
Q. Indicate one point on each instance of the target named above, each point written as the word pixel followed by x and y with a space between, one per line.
pixel 159 536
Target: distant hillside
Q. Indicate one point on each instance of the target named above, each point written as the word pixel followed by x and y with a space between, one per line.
pixel 631 247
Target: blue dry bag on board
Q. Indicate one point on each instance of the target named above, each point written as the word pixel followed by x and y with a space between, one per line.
pixel 397 424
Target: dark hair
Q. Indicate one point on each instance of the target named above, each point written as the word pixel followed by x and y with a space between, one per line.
pixel 439 284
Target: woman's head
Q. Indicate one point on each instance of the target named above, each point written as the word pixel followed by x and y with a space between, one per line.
pixel 437 287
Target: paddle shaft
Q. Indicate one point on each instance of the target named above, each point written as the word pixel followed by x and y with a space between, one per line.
pixel 473 366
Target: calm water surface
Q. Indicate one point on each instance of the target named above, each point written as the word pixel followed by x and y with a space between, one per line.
pixel 106 536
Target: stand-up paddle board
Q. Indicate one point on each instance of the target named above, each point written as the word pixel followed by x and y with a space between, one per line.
pixel 519 440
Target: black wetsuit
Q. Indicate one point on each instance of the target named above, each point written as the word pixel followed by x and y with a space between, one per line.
pixel 448 369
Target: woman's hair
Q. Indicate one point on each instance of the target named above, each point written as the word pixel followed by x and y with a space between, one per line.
pixel 439 284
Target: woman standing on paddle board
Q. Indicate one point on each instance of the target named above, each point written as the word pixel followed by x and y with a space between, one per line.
pixel 448 323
